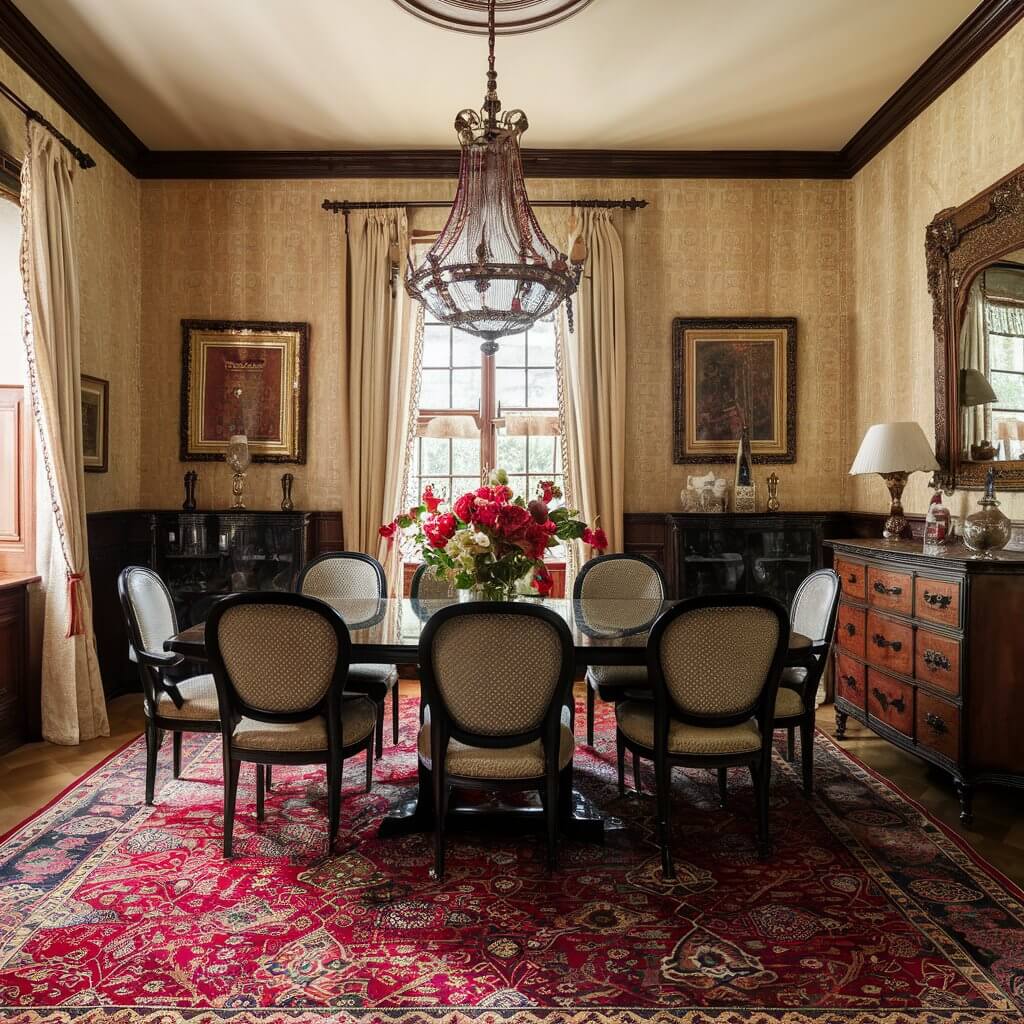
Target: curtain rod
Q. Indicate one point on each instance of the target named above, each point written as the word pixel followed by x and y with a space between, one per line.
pixel 345 206
pixel 84 160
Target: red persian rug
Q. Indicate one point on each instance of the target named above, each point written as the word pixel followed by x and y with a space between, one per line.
pixel 868 913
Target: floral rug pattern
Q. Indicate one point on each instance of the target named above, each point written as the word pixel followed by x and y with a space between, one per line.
pixel 867 911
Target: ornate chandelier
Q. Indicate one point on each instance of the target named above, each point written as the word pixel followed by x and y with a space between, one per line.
pixel 492 272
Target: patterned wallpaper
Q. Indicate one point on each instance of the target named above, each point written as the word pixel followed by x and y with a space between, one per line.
pixel 968 138
pixel 265 250
pixel 107 208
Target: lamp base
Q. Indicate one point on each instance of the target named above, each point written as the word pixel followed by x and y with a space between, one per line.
pixel 896 524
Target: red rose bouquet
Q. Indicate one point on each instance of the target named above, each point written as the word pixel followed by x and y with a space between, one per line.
pixel 490 540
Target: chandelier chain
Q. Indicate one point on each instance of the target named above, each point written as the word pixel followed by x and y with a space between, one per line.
pixel 491 102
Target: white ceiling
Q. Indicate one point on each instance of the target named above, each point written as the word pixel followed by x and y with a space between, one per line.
pixel 622 74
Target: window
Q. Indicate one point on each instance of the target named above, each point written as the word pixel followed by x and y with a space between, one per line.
pixel 480 412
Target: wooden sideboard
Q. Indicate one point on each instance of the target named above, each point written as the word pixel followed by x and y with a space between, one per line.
pixel 19 697
pixel 928 655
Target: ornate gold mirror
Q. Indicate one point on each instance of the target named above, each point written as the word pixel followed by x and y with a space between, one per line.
pixel 975 256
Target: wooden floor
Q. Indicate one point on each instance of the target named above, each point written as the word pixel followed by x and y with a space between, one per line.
pixel 33 774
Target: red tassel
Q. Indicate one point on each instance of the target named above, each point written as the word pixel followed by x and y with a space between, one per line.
pixel 76 623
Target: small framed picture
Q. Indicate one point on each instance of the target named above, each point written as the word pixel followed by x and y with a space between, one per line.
pixel 729 374
pixel 95 420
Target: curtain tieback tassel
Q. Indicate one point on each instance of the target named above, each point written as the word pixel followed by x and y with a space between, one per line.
pixel 76 621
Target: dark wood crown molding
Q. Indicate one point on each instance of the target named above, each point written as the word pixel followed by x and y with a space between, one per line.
pixel 972 39
pixel 30 49
pixel 989 22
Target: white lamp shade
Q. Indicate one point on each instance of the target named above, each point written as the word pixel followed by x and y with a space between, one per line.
pixel 894 448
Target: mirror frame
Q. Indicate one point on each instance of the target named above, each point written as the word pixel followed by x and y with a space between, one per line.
pixel 960 242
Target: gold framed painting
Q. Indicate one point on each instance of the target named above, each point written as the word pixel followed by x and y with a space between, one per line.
pixel 244 377
pixel 95 396
pixel 731 373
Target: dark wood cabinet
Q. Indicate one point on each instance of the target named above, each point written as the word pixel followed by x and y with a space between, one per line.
pixel 928 655
pixel 203 555
pixel 747 553
pixel 18 723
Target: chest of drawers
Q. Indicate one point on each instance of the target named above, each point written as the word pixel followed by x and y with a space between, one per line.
pixel 929 654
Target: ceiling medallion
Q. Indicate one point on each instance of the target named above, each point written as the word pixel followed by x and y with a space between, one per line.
pixel 492 272
pixel 510 15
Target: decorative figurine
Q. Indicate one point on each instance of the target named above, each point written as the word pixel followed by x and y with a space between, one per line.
pixel 286 492
pixel 189 504
pixel 773 493
pixel 987 530
pixel 238 459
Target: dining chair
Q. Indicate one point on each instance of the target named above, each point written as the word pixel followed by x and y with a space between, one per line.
pixel 280 663
pixel 425 586
pixel 622 578
pixel 338 575
pixel 170 704
pixel 813 613
pixel 495 678
pixel 714 664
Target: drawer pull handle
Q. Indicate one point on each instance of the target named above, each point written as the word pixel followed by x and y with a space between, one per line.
pixel 935 723
pixel 881 588
pixel 938 600
pixel 880 641
pixel 896 703
pixel 851 578
pixel 851 629
pixel 935 660
pixel 849 681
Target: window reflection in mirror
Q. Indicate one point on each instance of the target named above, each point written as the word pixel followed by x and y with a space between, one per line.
pixel 991 380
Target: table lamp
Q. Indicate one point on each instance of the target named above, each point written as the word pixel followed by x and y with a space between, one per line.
pixel 894 450
pixel 975 389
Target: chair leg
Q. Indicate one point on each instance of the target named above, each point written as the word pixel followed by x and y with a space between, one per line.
pixel 662 788
pixel 268 777
pixel 723 787
pixel 380 728
pixel 637 784
pixel 152 749
pixel 590 715
pixel 394 713
pixel 790 744
pixel 620 757
pixel 762 781
pixel 261 783
pixel 551 818
pixel 807 753
pixel 231 768
pixel 335 770
pixel 440 786
pixel 176 755
pixel 369 766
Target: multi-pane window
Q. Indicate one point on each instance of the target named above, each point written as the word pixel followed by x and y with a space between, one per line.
pixel 480 412
pixel 1006 374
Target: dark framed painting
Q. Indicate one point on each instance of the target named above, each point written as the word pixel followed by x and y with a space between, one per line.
pixel 729 373
pixel 244 377
pixel 95 423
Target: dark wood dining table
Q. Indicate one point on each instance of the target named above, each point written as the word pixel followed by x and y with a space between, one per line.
pixel 604 632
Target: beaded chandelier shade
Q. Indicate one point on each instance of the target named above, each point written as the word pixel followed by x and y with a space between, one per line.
pixel 492 272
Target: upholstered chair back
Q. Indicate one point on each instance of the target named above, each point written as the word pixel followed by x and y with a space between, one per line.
pixel 623 577
pixel 497 674
pixel 427 587
pixel 814 607
pixel 716 659
pixel 149 608
pixel 343 575
pixel 278 658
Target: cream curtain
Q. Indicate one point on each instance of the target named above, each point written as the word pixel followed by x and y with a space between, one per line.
pixel 593 375
pixel 73 707
pixel 378 379
pixel 974 355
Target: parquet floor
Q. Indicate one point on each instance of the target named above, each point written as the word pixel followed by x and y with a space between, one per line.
pixel 35 773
